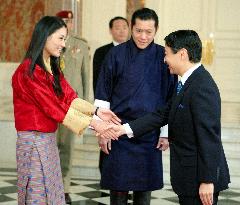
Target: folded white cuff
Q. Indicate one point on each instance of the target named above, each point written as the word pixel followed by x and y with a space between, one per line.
pixel 128 130
pixel 102 103
pixel 164 131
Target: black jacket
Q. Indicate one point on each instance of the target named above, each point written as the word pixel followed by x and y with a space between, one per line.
pixel 98 58
pixel 193 118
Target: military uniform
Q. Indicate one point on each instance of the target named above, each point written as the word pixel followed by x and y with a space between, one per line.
pixel 76 69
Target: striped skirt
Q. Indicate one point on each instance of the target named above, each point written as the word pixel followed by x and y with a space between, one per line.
pixel 38 169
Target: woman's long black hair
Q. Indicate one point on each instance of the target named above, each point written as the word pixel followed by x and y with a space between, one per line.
pixel 43 29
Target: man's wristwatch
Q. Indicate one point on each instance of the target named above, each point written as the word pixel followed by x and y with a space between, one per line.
pixel 96 111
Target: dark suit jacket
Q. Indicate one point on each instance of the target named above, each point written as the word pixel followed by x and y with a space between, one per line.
pixel 98 58
pixel 193 117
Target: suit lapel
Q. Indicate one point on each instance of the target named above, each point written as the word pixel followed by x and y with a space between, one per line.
pixel 176 101
pixel 178 98
pixel 192 78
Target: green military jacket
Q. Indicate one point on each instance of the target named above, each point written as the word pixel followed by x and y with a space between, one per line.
pixel 76 67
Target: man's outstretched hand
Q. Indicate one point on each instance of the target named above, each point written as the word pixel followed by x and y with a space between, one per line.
pixel 107 115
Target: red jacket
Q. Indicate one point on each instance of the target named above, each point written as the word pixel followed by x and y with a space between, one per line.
pixel 36 106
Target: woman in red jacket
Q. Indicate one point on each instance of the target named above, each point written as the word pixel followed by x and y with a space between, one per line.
pixel 42 98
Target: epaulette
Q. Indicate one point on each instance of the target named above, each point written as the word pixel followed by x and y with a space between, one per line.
pixel 80 38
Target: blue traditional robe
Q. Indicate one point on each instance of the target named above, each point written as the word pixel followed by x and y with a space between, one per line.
pixel 135 82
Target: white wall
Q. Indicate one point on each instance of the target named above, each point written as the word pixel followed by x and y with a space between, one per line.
pixel 220 17
pixel 7 130
pixel 96 16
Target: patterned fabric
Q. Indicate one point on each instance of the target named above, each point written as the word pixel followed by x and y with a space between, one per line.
pixel 179 87
pixel 38 167
pixel 26 16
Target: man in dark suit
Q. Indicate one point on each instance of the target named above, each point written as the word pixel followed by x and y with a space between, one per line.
pixel 198 166
pixel 119 29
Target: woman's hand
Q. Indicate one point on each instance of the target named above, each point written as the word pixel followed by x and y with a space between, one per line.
pixel 112 129
pixel 104 129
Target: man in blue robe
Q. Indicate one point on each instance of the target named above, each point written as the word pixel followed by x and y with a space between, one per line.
pixel 134 80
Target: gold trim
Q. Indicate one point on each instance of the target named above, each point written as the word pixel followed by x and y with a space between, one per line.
pixel 76 121
pixel 208 51
pixel 83 106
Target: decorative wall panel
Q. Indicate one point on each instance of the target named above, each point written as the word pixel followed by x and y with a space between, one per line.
pixel 17 20
pixel 133 5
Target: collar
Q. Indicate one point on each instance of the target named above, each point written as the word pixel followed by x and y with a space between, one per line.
pixel 189 72
pixel 115 43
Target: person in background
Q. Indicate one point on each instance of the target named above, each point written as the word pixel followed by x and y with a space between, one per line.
pixel 42 98
pixel 198 166
pixel 119 30
pixel 75 64
pixel 134 80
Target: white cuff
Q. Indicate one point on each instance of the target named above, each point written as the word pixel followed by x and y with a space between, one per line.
pixel 164 131
pixel 102 103
pixel 128 130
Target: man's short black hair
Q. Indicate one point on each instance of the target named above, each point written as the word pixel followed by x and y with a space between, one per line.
pixel 187 39
pixel 145 14
pixel 116 18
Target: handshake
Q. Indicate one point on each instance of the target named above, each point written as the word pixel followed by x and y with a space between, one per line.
pixel 110 127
